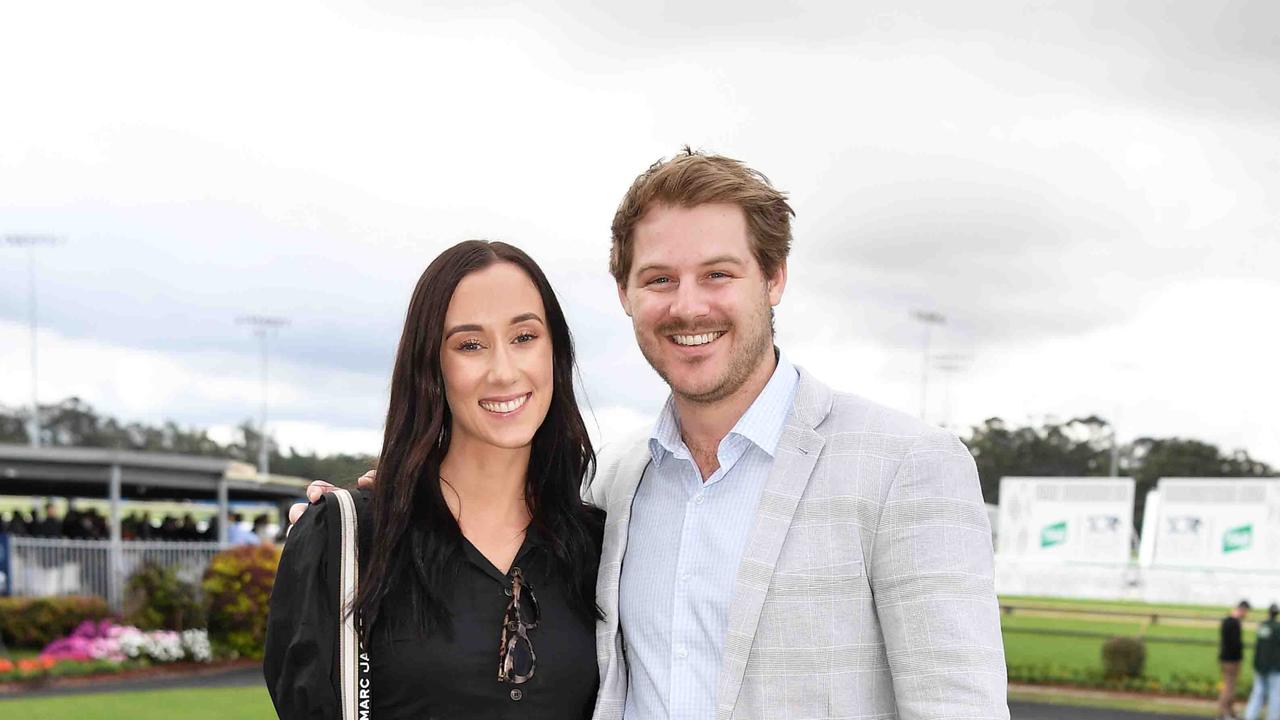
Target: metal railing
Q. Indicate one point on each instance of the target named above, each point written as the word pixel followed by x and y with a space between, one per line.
pixel 56 566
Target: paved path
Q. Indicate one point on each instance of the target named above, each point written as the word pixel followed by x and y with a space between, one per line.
pixel 252 675
pixel 1037 711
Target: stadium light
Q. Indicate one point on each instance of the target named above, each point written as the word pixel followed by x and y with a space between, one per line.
pixel 950 365
pixel 30 243
pixel 929 319
pixel 264 327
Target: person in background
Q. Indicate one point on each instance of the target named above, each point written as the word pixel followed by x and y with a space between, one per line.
pixel 188 531
pixel 1266 669
pixel 51 526
pixel 260 529
pixel 169 528
pixel 19 524
pixel 1230 653
pixel 237 534
pixel 129 526
pixel 144 530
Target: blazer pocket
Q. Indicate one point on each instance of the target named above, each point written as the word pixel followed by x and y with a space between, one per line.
pixel 842 581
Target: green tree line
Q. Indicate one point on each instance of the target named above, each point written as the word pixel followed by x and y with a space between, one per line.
pixel 1085 447
pixel 1079 447
pixel 74 423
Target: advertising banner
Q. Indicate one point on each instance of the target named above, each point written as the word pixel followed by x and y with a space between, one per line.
pixel 1069 519
pixel 1218 523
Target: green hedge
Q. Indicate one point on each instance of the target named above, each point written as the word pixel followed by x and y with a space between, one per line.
pixel 155 599
pixel 35 622
pixel 1188 685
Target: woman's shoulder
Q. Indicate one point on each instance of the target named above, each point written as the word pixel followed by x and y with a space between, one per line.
pixel 321 523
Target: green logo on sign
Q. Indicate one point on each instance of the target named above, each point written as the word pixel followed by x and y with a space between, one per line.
pixel 1054 534
pixel 1240 538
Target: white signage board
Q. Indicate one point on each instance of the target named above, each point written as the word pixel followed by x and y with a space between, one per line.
pixel 1082 519
pixel 1217 523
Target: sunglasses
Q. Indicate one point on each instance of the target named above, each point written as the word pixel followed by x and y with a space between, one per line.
pixel 516 660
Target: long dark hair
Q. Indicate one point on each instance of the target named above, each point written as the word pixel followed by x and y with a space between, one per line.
pixel 416 543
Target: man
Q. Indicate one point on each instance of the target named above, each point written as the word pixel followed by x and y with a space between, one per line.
pixel 237 534
pixel 790 552
pixel 52 525
pixel 1230 653
pixel 1266 669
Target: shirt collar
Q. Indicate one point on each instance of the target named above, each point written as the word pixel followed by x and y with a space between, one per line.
pixel 761 424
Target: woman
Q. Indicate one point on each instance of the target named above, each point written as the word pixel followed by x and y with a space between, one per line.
pixel 477 557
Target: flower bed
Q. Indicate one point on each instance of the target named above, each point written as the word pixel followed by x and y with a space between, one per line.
pixel 105 640
pixel 96 647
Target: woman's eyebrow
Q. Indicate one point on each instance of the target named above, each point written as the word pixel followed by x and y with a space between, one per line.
pixel 526 316
pixel 476 328
pixel 463 328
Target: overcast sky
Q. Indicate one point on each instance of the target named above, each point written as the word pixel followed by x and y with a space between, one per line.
pixel 1089 192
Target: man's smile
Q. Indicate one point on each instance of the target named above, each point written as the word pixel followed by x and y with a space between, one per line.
pixel 694 340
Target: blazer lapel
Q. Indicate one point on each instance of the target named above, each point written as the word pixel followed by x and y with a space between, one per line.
pixel 622 491
pixel 794 460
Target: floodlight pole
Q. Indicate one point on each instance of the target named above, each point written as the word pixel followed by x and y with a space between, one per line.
pixel 929 319
pixel 1115 443
pixel 264 327
pixel 31 242
pixel 950 364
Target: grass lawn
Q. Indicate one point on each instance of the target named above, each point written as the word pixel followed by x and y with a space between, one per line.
pixel 1164 660
pixel 249 703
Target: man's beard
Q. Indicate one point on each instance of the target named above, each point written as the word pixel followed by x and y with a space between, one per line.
pixel 755 338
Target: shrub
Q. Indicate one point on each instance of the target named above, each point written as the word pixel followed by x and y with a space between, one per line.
pixel 1123 657
pixel 237 588
pixel 35 622
pixel 155 599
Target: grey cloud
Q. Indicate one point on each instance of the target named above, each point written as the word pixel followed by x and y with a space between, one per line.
pixel 1007 254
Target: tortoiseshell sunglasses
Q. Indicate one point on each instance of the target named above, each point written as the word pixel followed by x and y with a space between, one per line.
pixel 516 660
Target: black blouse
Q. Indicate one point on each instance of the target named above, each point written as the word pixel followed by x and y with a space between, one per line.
pixel 443 675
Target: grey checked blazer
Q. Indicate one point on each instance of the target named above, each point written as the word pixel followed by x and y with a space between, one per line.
pixel 865 590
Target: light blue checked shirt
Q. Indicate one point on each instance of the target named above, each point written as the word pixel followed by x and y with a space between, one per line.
pixel 685 541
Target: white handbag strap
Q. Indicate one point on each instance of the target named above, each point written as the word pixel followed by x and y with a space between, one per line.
pixel 348 640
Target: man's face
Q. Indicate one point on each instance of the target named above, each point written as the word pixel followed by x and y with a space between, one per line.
pixel 698 300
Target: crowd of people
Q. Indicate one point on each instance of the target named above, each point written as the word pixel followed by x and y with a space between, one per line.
pixel 90 524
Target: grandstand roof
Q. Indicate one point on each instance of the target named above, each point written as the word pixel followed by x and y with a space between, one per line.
pixel 86 472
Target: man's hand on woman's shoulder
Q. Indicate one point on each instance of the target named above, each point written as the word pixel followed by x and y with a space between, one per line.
pixel 317 490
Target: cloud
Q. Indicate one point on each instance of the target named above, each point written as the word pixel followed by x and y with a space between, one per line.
pixel 1045 174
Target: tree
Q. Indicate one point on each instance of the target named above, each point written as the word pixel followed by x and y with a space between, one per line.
pixel 1082 447
pixel 74 423
pixel 1078 447
pixel 1150 459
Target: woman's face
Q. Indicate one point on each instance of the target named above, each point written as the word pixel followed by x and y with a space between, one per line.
pixel 496 358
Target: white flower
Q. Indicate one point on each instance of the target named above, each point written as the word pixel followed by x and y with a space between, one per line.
pixel 164 646
pixel 133 642
pixel 196 643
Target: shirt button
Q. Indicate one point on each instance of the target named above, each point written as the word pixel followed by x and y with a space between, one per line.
pixel 681 652
pixel 517 694
pixel 698 500
pixel 684 577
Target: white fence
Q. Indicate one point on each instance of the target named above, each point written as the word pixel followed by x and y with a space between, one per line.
pixel 54 566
